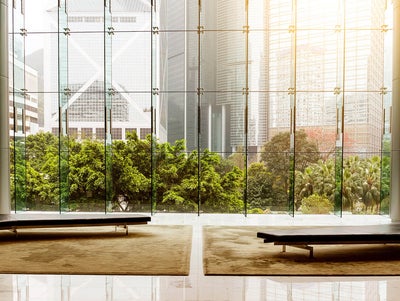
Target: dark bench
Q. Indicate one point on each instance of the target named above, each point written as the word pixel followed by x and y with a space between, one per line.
pixel 304 237
pixel 32 220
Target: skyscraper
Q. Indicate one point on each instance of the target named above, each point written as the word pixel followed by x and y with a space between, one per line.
pixel 320 53
pixel 129 65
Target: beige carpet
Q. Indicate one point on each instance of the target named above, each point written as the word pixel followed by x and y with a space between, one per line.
pixel 147 250
pixel 235 250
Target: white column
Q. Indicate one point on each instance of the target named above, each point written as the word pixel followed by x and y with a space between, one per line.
pixel 4 111
pixel 395 154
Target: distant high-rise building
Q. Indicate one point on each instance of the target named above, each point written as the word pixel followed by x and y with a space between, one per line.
pixel 221 64
pixel 336 52
pixel 319 53
pixel 130 69
pixel 24 104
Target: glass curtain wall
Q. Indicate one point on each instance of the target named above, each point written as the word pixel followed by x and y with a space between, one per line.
pixel 200 106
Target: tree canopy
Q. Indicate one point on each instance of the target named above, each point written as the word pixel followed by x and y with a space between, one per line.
pixel 146 174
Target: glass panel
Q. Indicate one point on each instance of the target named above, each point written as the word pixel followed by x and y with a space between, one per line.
pixel 85 49
pixel 272 174
pixel 176 187
pixel 133 15
pixel 178 15
pixel 222 181
pixel 364 60
pixel 178 62
pixel 316 60
pixel 362 150
pixel 41 62
pixel 131 61
pixel 213 124
pixel 222 169
pixel 108 68
pixel 42 145
pixel 176 176
pixel 179 72
pixel 387 115
pixel 259 15
pixel 86 16
pixel 19 154
pixel 41 16
pixel 227 15
pixel 223 65
pixel 131 172
pixel 279 54
pixel 364 15
pixel 315 14
pixel 18 19
pixel 131 154
pixel 314 151
pixel 279 15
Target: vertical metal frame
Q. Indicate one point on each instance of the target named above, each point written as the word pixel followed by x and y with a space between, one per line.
pixel 246 110
pixel 108 99
pixel 63 97
pixel 292 96
pixel 339 95
pixel 154 42
pixel 200 31
pixel 19 95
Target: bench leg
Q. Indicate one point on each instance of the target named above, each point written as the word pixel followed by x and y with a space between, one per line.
pixel 305 247
pixel 125 226
pixel 14 230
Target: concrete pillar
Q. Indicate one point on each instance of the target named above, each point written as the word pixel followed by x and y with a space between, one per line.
pixel 4 111
pixel 395 153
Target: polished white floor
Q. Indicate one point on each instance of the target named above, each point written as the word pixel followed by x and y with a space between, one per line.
pixel 196 286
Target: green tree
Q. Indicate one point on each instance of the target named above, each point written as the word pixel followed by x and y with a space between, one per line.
pixel 175 171
pixel 260 188
pixel 371 184
pixel 86 175
pixel 276 155
pixel 41 181
pixel 131 173
pixel 318 178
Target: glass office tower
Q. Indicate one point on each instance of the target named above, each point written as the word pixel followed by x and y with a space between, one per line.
pixel 200 106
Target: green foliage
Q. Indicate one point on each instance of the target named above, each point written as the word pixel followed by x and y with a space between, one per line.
pixel 256 211
pixel 148 173
pixel 316 204
pixel 276 156
pixel 260 188
pixel 131 173
pixel 317 178
pixel 361 182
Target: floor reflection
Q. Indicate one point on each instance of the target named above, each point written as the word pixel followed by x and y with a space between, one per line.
pixel 152 288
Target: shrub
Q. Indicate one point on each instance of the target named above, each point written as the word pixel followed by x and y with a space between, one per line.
pixel 256 211
pixel 316 204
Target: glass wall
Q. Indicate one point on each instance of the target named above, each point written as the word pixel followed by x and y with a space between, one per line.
pixel 200 106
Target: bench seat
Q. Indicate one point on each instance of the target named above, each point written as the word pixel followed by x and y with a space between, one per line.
pixel 33 220
pixel 303 237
